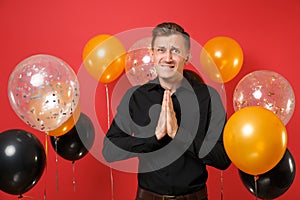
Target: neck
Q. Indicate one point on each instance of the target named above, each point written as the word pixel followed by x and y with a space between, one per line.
pixel 171 85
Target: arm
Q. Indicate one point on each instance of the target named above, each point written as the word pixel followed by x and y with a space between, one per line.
pixel 120 143
pixel 212 151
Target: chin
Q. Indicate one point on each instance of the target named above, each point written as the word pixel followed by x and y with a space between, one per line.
pixel 166 74
pixel 170 76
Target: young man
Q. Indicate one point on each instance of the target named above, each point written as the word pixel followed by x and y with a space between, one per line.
pixel 172 124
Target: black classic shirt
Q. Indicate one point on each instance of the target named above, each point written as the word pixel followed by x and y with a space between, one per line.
pixel 169 166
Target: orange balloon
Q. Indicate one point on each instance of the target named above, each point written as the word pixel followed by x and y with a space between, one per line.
pixel 114 70
pixel 67 125
pixel 104 58
pixel 221 58
pixel 255 139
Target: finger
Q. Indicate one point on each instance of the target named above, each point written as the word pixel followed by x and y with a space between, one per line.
pixel 165 100
pixel 167 94
pixel 169 102
pixel 170 112
pixel 161 128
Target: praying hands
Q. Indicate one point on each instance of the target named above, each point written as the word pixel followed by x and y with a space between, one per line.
pixel 167 122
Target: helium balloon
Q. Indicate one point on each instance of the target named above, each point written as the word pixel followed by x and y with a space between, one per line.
pixel 75 144
pixel 273 183
pixel 255 139
pixel 267 89
pixel 67 125
pixel 221 59
pixel 43 90
pixel 104 58
pixel 22 159
pixel 139 67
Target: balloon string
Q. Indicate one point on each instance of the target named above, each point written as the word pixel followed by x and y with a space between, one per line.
pixel 56 165
pixel 108 124
pixel 107 105
pixel 46 144
pixel 46 167
pixel 255 186
pixel 221 184
pixel 112 183
pixel 73 178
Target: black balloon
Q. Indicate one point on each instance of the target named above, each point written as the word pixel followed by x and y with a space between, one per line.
pixel 22 161
pixel 75 144
pixel 273 183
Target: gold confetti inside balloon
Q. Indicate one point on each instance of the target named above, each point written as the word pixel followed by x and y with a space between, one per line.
pixel 267 89
pixel 139 65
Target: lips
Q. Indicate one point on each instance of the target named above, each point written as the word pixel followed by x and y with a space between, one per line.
pixel 167 68
pixel 168 65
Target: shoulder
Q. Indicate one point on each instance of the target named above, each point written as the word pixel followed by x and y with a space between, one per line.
pixel 199 87
pixel 204 91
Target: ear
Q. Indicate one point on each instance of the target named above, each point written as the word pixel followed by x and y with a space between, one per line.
pixel 151 54
pixel 188 58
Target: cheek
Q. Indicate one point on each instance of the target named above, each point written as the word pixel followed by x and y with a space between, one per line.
pixel 180 61
pixel 156 59
pixel 180 64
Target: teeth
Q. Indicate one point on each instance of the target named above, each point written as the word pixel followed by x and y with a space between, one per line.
pixel 170 66
pixel 167 67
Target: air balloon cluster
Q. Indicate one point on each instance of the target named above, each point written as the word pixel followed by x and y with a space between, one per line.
pixel 44 92
pixel 255 136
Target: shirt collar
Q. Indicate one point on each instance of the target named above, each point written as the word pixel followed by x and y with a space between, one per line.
pixel 185 85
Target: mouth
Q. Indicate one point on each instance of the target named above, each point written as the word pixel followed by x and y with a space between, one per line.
pixel 167 66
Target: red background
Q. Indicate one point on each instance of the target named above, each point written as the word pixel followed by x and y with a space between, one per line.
pixel 268 31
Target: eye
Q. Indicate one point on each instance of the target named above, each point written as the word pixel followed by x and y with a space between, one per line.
pixel 161 49
pixel 176 51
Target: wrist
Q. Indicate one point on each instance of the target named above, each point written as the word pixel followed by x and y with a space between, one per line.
pixel 173 133
pixel 159 135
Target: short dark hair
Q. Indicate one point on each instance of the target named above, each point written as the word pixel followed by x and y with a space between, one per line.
pixel 170 28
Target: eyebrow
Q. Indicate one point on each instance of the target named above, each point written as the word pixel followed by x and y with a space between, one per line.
pixel 172 47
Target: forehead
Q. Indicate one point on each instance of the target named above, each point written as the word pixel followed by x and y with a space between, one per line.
pixel 175 40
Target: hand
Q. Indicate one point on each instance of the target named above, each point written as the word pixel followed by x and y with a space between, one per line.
pixel 167 122
pixel 161 128
pixel 172 125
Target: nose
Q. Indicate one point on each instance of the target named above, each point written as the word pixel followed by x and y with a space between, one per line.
pixel 169 56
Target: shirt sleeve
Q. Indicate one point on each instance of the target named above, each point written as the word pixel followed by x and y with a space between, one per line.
pixel 212 151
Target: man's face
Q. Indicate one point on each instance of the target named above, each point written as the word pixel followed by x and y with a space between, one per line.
pixel 170 54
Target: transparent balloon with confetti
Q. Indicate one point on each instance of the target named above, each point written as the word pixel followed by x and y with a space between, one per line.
pixel 139 67
pixel 267 89
pixel 43 91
